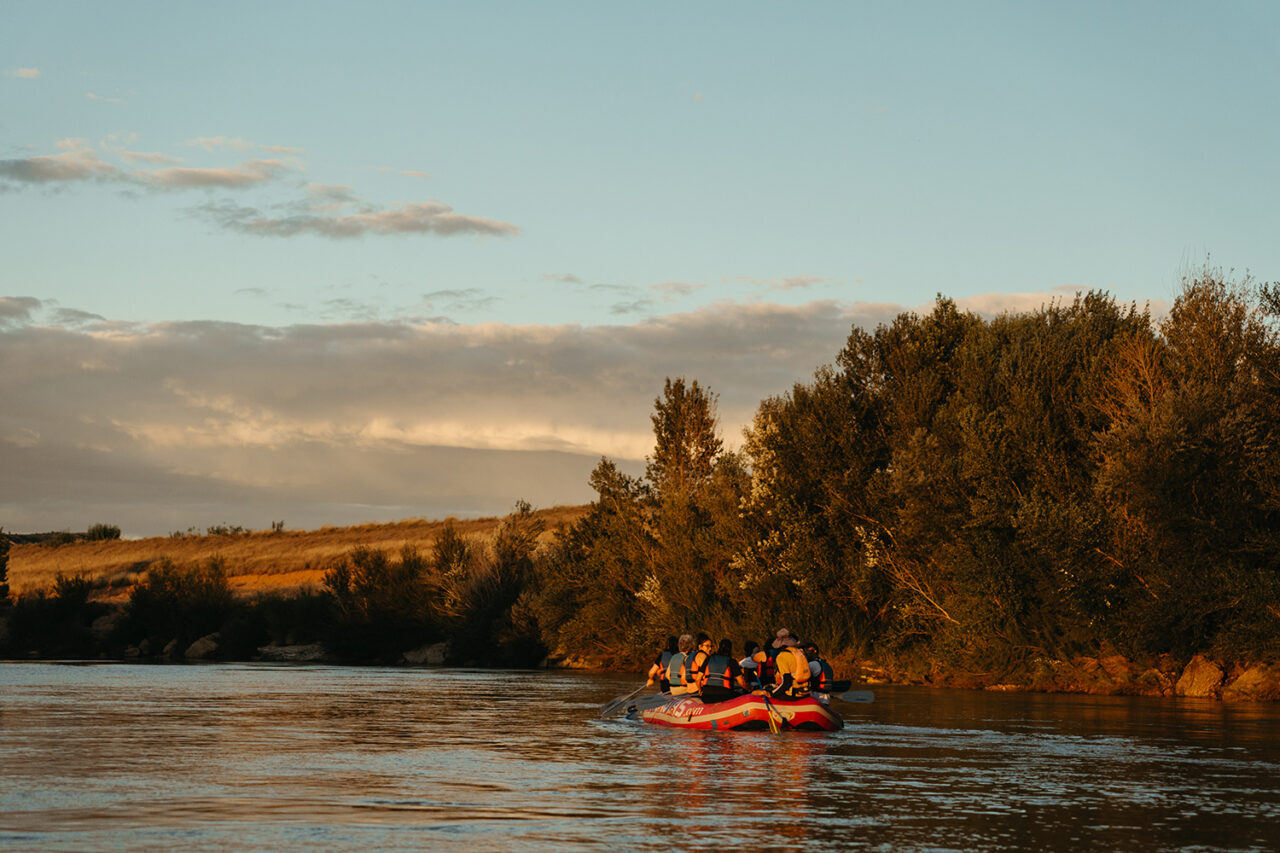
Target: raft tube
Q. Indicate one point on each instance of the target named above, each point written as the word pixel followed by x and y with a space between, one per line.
pixel 747 713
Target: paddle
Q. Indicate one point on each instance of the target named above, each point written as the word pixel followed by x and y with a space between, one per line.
pixel 610 709
pixel 768 706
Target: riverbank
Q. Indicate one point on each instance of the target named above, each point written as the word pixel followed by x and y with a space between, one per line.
pixel 1107 675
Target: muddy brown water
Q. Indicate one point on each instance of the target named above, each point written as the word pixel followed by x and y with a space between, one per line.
pixel 278 757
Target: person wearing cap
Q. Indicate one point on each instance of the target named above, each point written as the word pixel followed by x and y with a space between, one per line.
pixel 791 678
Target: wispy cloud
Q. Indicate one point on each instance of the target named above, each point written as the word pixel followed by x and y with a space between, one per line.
pixel 235 143
pixel 670 290
pixel 77 162
pixel 26 73
pixel 249 173
pixel 561 277
pixel 91 96
pixel 407 218
pixel 466 299
pixel 17 309
pixel 792 282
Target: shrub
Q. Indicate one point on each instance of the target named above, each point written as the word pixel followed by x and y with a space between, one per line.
pixel 382 607
pixel 102 531
pixel 176 602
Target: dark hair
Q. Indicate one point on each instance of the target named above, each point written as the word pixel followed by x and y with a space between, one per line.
pixel 749 647
pixel 701 638
pixel 726 648
pixel 673 645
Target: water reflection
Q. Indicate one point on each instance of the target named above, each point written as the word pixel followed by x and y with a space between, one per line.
pixel 221 757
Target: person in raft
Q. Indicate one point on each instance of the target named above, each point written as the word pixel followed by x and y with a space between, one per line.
pixel 658 672
pixel 676 666
pixel 721 678
pixel 749 665
pixel 767 658
pixel 791 675
pixel 821 675
pixel 695 663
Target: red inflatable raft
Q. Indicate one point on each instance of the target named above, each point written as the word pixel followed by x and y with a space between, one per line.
pixel 749 712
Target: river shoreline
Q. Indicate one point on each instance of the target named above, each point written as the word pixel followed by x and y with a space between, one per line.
pixel 1108 675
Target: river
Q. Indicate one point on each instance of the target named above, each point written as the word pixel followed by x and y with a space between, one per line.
pixel 277 757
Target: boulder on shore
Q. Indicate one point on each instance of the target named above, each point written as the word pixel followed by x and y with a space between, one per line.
pixel 1257 683
pixel 432 654
pixel 1200 678
pixel 203 648
pixel 171 650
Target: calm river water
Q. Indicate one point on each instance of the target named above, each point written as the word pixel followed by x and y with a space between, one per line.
pixel 245 757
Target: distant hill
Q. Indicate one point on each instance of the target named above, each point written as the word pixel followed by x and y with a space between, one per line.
pixel 255 561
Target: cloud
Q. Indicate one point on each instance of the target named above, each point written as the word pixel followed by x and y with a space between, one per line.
pixel 102 98
pixel 358 421
pixel 26 73
pixel 77 162
pixel 468 299
pixel 407 218
pixel 637 306
pixel 235 143
pixel 413 173
pixel 17 309
pixel 250 173
pixel 672 289
pixel 793 282
pixel 153 157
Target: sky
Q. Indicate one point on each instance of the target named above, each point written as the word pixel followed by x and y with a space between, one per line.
pixel 330 263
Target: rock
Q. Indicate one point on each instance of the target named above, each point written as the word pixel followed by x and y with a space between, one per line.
pixel 171 649
pixel 292 653
pixel 1153 682
pixel 144 648
pixel 432 654
pixel 132 652
pixel 1119 669
pixel 1201 678
pixel 203 648
pixel 105 624
pixel 1257 683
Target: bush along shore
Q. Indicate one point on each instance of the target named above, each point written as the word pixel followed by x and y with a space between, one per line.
pixel 1069 499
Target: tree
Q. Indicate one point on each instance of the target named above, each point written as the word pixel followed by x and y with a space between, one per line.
pixel 684 427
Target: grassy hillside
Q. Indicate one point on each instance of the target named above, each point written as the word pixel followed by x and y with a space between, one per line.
pixel 257 561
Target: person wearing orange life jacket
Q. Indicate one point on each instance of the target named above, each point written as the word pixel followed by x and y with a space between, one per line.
pixel 821 675
pixel 791 681
pixel 766 658
pixel 696 662
pixel 676 665
pixel 721 677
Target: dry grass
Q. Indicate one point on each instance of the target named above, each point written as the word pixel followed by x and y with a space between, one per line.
pixel 255 562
